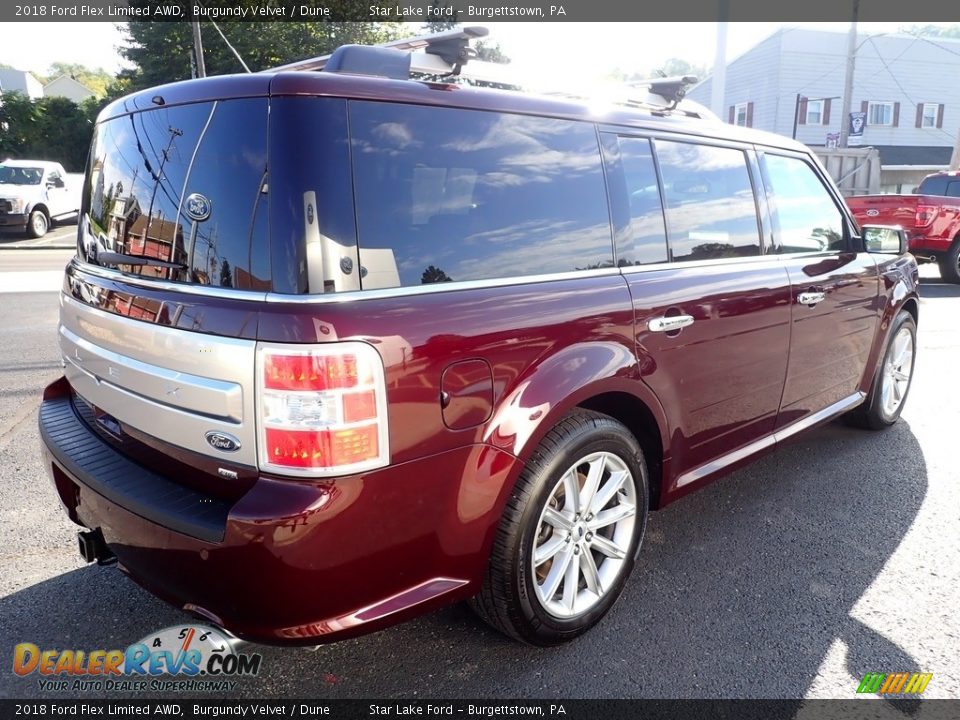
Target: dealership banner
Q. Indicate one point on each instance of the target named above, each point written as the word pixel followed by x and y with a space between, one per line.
pixel 471 11
pixel 400 709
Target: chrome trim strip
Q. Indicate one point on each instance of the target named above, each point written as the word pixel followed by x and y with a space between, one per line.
pixel 258 296
pixel 123 366
pixel 166 285
pixel 383 293
pixel 207 397
pixel 828 412
pixel 755 259
pixel 778 436
pixel 439 287
pixel 723 461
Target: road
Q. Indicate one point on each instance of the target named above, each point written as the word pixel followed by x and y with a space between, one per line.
pixel 63 233
pixel 835 556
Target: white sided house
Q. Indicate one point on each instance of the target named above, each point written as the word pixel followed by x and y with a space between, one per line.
pixel 20 81
pixel 69 88
pixel 792 83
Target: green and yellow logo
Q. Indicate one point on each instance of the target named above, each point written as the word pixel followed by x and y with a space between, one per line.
pixel 895 683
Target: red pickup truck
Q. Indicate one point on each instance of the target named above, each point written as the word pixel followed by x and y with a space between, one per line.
pixel 931 218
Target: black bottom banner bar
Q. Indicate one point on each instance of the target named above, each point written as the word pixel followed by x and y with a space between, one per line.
pixel 866 708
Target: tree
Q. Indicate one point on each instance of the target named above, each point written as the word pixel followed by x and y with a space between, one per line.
pixel 161 51
pixel 49 128
pixel 943 31
pixel 668 68
pixel 434 275
pixel 226 274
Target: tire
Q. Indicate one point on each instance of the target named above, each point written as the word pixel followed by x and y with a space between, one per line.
pixel 38 224
pixel 949 264
pixel 888 395
pixel 514 598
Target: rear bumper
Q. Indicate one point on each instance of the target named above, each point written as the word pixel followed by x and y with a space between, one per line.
pixel 13 220
pixel 926 246
pixel 291 562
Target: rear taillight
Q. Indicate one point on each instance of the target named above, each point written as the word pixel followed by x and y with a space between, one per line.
pixel 322 409
pixel 925 215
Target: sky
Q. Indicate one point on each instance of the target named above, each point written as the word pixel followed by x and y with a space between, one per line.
pixel 578 51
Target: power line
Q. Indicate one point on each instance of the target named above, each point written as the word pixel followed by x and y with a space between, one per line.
pixel 897 83
pixel 232 49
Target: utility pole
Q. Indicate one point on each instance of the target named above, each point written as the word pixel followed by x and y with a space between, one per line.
pixel 955 160
pixel 719 80
pixel 848 79
pixel 198 50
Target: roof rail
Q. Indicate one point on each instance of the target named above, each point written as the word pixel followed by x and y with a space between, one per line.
pixel 444 54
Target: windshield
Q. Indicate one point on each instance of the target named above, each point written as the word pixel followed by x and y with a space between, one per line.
pixel 11 175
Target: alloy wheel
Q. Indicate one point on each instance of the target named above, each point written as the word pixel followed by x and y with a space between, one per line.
pixel 583 535
pixel 897 370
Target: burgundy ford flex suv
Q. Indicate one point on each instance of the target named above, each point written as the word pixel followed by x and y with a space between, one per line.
pixel 340 349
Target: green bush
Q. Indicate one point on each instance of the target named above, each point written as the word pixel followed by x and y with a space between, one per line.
pixel 50 128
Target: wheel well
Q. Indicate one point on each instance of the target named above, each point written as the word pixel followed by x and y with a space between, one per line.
pixel 634 413
pixel 41 206
pixel 910 305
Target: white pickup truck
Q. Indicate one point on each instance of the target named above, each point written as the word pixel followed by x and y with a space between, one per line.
pixel 35 192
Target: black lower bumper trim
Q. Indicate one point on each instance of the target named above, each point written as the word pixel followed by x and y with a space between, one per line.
pixel 105 471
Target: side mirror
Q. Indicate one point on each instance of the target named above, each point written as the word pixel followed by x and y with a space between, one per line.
pixel 884 239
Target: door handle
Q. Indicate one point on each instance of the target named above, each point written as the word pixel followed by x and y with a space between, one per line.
pixel 810 298
pixel 669 324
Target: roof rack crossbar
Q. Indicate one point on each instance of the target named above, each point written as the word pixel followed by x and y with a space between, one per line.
pixel 450 45
pixel 444 54
pixel 672 89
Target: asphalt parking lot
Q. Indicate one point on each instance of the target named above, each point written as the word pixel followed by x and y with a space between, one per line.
pixel 835 556
pixel 62 234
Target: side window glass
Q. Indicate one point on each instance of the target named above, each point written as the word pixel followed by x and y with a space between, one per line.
pixel 445 194
pixel 711 210
pixel 647 238
pixel 805 217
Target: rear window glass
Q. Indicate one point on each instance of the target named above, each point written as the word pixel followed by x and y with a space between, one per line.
pixel 175 194
pixel 448 195
pixel 945 185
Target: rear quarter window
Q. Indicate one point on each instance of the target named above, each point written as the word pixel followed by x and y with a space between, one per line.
pixel 449 195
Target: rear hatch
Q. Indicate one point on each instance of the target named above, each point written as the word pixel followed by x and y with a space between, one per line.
pixel 885 210
pixel 159 347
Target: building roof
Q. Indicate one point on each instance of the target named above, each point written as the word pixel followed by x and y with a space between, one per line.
pixel 20 81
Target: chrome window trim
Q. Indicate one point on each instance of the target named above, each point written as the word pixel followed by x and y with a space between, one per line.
pixel 156 284
pixel 751 260
pixel 410 290
pixel 413 290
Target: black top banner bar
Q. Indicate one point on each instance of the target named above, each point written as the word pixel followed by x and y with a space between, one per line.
pixel 481 11
pixel 218 709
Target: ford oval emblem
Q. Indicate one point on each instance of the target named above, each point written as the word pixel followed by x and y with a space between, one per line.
pixel 197 207
pixel 222 441
pixel 872 213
